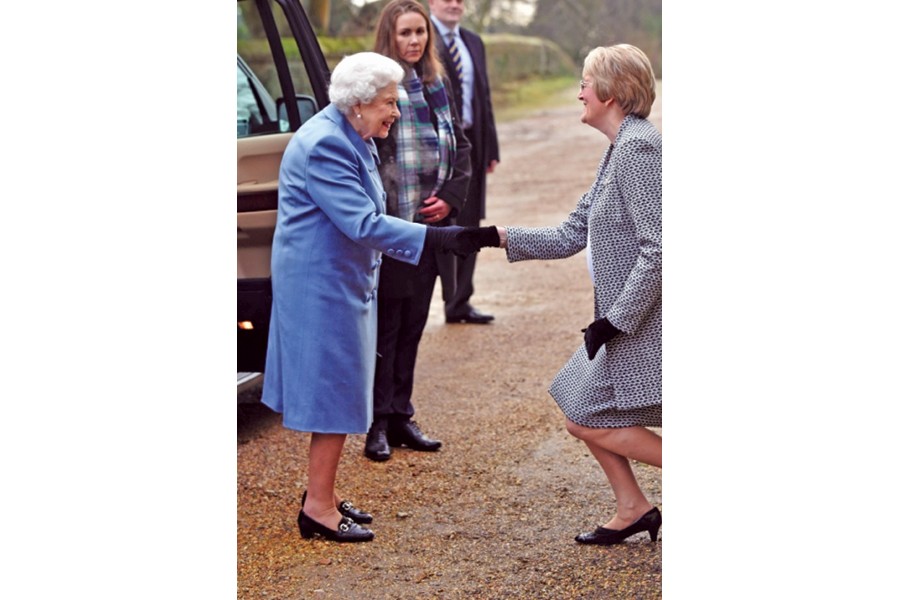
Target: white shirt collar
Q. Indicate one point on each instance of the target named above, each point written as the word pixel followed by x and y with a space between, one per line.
pixel 444 30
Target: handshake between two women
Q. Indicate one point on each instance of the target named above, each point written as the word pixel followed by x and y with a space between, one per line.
pixel 461 241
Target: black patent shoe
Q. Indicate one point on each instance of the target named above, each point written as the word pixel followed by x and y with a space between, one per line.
pixel 347 509
pixel 347 531
pixel 650 523
pixel 407 433
pixel 377 447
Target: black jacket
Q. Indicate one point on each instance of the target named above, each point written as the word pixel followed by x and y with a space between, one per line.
pixel 396 277
pixel 483 133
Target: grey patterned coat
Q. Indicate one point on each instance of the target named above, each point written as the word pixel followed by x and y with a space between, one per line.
pixel 619 220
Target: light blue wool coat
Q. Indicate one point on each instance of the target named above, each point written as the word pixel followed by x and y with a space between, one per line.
pixel 331 231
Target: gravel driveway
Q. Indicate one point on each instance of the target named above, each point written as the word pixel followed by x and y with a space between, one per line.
pixel 494 513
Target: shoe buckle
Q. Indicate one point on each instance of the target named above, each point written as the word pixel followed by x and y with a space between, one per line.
pixel 344 526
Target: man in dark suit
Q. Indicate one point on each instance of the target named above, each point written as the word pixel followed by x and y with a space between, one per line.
pixel 467 70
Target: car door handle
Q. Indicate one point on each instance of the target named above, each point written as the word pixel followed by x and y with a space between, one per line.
pixel 249 187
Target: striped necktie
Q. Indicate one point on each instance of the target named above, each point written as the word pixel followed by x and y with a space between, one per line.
pixel 454 55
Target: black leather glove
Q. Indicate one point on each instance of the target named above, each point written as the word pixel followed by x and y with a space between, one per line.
pixel 596 334
pixel 461 241
pixel 486 236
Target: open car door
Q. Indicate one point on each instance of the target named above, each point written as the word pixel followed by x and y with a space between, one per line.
pixel 282 80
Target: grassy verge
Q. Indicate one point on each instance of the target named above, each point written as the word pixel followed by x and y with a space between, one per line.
pixel 516 99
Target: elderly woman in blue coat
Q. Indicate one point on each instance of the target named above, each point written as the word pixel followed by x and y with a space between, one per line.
pixel 331 232
pixel 611 389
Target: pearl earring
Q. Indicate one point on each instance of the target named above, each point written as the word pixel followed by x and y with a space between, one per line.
pixel 358 116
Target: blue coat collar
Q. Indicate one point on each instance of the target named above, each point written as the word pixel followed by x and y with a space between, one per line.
pixel 367 150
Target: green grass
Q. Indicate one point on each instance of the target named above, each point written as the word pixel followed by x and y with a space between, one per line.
pixel 516 99
pixel 511 99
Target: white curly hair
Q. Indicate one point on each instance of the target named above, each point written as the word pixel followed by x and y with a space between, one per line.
pixel 358 78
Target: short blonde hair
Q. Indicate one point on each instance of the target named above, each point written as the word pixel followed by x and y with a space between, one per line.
pixel 622 72
pixel 358 78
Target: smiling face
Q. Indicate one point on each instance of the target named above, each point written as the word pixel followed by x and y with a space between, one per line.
pixel 586 95
pixel 376 117
pixel 594 108
pixel 410 37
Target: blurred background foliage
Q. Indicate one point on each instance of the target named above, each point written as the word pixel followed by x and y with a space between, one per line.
pixel 534 47
pixel 576 26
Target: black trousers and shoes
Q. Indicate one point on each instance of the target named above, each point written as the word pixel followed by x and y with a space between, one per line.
pixel 377 447
pixel 469 315
pixel 459 282
pixel 396 433
pixel 602 536
pixel 403 306
pixel 407 433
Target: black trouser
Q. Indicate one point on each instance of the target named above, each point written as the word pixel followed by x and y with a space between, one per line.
pixel 458 289
pixel 401 322
pixel 458 303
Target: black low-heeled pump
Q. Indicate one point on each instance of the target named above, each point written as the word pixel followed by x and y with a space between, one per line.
pixel 347 509
pixel 347 531
pixel 650 523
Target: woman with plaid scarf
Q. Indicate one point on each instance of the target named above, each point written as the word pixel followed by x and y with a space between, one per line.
pixel 425 169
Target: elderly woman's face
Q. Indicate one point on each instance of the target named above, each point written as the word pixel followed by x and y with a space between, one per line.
pixel 375 118
pixel 410 37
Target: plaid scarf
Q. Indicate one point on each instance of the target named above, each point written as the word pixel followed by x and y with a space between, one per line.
pixel 424 156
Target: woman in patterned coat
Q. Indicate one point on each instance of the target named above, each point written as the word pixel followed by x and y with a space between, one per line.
pixel 611 389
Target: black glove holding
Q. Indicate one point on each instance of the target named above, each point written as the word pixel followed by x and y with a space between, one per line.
pixel 596 334
pixel 461 241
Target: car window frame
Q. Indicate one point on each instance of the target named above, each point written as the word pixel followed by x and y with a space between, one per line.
pixel 310 51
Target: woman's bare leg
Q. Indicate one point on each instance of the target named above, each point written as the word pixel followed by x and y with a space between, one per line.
pixel 324 456
pixel 613 448
pixel 631 504
pixel 638 443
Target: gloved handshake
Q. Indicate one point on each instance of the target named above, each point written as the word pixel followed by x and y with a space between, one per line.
pixel 461 241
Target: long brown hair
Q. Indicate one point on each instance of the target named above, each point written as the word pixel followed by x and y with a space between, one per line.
pixel 429 66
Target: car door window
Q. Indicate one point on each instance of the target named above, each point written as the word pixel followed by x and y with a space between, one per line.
pixel 256 112
pixel 259 82
pixel 282 81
